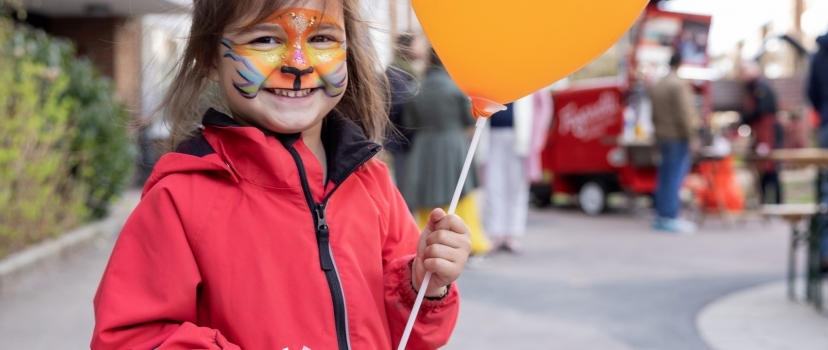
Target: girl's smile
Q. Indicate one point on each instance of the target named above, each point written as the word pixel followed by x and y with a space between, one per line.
pixel 292 94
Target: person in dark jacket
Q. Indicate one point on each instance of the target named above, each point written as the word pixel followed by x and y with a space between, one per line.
pixel 818 88
pixel 818 94
pixel 760 114
pixel 402 77
pixel 441 114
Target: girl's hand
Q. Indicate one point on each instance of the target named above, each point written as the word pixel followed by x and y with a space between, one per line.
pixel 444 247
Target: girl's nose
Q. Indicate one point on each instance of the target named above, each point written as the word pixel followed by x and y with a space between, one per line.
pixel 297 82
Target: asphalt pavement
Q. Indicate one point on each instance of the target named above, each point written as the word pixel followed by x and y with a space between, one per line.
pixel 606 282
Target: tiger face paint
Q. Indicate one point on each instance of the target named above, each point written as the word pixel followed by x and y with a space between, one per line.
pixel 303 50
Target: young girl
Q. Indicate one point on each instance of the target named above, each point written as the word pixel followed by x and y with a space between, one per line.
pixel 273 226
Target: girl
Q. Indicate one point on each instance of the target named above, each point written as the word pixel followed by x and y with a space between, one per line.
pixel 273 226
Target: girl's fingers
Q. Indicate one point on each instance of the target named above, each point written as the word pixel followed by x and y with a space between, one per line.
pixel 437 215
pixel 449 238
pixel 443 268
pixel 439 251
pixel 451 223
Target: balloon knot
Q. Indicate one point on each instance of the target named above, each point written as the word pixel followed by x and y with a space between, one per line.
pixel 484 108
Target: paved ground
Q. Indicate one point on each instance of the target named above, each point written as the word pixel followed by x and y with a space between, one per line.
pixel 611 283
pixel 758 318
pixel 583 283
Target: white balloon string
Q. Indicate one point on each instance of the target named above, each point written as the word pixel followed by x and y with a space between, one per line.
pixel 481 123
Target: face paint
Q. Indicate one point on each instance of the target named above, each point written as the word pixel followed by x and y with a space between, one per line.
pixel 298 63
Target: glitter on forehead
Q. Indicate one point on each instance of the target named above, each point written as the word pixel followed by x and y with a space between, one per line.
pixel 300 23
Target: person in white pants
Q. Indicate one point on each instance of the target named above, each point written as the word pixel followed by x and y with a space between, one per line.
pixel 516 138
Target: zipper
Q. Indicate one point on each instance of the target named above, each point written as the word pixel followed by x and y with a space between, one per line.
pixel 326 259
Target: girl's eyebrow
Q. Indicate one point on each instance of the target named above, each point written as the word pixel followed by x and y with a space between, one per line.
pixel 259 27
pixel 329 26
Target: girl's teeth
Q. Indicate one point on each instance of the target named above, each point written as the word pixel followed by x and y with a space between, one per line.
pixel 291 93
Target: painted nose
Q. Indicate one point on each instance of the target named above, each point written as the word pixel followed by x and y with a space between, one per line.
pixel 297 82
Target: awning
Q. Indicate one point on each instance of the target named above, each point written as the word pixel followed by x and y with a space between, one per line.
pixel 104 8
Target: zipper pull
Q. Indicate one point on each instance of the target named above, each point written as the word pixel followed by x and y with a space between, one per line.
pixel 323 238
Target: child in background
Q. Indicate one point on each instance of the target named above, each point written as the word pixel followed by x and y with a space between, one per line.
pixel 273 226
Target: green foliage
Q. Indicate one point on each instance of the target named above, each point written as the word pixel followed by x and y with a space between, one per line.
pixel 64 152
pixel 105 154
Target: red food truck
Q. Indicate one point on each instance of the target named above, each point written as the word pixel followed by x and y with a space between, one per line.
pixel 600 141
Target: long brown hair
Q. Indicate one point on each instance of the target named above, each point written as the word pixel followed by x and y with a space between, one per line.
pixel 191 92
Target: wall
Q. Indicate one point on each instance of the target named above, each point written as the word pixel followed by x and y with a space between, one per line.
pixel 112 44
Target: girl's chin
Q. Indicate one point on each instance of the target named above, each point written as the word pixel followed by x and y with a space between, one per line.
pixel 290 122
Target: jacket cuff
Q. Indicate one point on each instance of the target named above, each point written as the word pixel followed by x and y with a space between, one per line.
pixel 408 295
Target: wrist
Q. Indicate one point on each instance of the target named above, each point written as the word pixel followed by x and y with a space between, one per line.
pixel 436 293
pixel 431 292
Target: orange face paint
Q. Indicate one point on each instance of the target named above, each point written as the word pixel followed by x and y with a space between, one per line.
pixel 305 60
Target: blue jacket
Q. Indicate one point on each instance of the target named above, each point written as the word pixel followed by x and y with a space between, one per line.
pixel 818 82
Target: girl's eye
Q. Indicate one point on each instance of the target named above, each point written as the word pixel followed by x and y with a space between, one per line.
pixel 268 40
pixel 321 39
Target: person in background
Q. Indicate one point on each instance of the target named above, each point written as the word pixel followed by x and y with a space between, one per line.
pixel 541 122
pixel 818 94
pixel 818 88
pixel 402 76
pixel 760 114
pixel 441 115
pixel 515 142
pixel 674 119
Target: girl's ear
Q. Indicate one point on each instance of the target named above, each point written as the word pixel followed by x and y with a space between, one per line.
pixel 211 71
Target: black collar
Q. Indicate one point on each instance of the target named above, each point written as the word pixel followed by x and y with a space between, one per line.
pixel 345 144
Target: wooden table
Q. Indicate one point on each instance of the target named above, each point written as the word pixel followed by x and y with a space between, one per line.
pixel 813 157
pixel 799 156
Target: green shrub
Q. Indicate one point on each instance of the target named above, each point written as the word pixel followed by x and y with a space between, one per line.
pixel 104 153
pixel 65 153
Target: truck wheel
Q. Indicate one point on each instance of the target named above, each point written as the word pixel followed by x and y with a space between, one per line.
pixel 592 198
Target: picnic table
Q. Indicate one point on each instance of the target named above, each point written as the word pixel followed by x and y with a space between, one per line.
pixel 796 213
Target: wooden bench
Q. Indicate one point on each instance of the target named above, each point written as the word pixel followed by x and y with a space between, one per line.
pixel 794 214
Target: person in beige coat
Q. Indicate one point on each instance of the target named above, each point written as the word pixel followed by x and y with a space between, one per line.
pixel 675 119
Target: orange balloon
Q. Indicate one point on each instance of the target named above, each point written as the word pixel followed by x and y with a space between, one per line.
pixel 500 51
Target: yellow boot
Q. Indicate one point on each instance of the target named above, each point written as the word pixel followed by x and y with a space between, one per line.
pixel 466 210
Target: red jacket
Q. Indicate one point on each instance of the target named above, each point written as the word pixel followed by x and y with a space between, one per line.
pixel 238 244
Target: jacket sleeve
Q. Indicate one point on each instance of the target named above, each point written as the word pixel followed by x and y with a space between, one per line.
pixel 147 297
pixel 437 318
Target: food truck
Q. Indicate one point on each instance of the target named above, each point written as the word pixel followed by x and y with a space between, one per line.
pixel 601 138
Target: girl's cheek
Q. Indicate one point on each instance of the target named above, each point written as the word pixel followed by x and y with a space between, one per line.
pixel 332 67
pixel 251 68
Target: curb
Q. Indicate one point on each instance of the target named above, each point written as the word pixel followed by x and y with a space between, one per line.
pixel 50 253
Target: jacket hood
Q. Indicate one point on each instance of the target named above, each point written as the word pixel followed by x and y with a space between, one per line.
pixel 194 155
pixel 823 41
pixel 235 152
